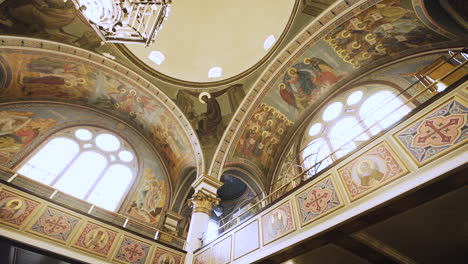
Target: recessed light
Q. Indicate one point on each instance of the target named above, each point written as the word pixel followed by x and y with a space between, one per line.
pixel 215 72
pixel 157 57
pixel 269 41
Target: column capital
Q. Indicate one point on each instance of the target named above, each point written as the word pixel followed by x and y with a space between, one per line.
pixel 203 201
pixel 207 183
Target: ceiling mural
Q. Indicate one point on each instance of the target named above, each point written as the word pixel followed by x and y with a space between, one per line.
pixel 43 75
pixel 369 35
pixel 26 126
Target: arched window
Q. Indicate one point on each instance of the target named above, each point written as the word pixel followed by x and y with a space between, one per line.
pixel 350 119
pixel 89 163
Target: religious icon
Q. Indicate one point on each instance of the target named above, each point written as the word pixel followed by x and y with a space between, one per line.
pixel 166 259
pixel 96 239
pixel 9 209
pixel 369 173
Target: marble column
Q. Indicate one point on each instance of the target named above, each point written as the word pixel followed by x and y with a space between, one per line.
pixel 203 201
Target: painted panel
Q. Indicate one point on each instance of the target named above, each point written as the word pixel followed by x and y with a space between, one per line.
pixel 246 240
pixel 43 75
pixel 318 200
pixel 55 224
pixel 278 223
pixel 437 133
pixel 371 170
pixel 19 129
pixel 15 210
pixel 204 257
pixel 222 251
pixel 95 239
pixel 132 251
pixel 162 256
pixel 148 200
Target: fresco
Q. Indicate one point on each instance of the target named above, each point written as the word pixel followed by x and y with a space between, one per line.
pixel 387 28
pixel 95 239
pixel 222 251
pixel 49 76
pixel 147 197
pixel 262 135
pixel 287 172
pixel 162 256
pixel 18 129
pixel 307 80
pixel 278 223
pixel 148 200
pixel 209 119
pixel 318 200
pixel 55 224
pixel 15 209
pixel 370 35
pixel 132 251
pixel 436 133
pixel 371 170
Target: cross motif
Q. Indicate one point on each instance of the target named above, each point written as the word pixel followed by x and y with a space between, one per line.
pixel 55 224
pixel 316 200
pixel 133 252
pixel 439 131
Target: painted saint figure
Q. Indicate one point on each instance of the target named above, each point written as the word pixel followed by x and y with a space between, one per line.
pixel 209 121
pixel 368 172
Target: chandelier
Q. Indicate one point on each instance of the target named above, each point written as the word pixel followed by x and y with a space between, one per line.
pixel 125 21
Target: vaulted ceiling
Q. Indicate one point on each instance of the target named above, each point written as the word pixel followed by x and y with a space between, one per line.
pixel 63 60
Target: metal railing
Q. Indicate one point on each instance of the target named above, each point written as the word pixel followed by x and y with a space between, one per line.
pixel 228 222
pixel 10 177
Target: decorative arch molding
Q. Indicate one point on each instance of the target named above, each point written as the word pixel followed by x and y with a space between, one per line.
pixel 313 43
pixel 183 189
pixel 436 16
pixel 247 176
pixel 113 88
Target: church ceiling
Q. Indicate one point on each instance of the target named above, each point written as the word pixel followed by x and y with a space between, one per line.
pixel 349 39
pixel 63 74
pixel 341 45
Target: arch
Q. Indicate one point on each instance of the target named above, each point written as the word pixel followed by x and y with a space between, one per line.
pixel 102 83
pixel 87 162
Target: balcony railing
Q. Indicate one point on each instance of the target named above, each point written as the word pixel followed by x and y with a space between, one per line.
pixel 12 178
pixel 432 80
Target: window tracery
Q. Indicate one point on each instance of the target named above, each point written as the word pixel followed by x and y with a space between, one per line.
pixel 89 163
pixel 350 119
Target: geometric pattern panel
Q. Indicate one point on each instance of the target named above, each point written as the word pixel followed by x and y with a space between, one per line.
pixel 95 239
pixel 436 133
pixel 320 199
pixel 162 256
pixel 222 251
pixel 371 170
pixel 132 251
pixel 278 223
pixel 15 209
pixel 54 224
